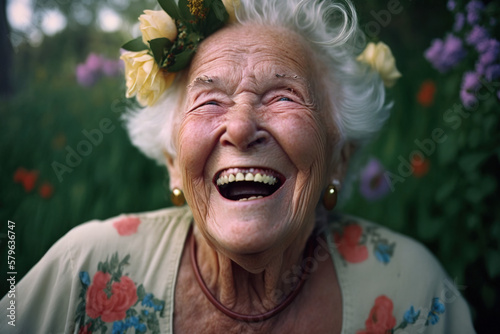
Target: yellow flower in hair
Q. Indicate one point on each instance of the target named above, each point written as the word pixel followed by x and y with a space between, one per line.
pixel 231 7
pixel 156 24
pixel 196 8
pixel 150 67
pixel 380 58
pixel 145 79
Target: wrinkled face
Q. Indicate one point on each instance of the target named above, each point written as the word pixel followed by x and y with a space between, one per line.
pixel 252 140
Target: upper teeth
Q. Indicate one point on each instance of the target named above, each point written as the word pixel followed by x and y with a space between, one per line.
pixel 235 177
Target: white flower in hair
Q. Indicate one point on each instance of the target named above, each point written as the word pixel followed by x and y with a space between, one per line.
pixel 380 58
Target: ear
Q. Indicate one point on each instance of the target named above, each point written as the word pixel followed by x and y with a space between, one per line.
pixel 174 172
pixel 341 163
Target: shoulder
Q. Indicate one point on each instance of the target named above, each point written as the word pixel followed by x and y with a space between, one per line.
pixel 128 224
pixel 140 238
pixel 107 270
pixel 127 227
pixel 359 241
pixel 384 271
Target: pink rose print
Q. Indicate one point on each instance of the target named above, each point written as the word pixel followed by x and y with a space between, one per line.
pixel 348 244
pixel 113 308
pixel 380 320
pixel 96 297
pixel 127 225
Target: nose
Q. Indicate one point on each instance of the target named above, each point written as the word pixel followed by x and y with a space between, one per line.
pixel 243 130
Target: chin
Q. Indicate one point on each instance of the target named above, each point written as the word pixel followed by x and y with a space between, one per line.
pixel 247 235
pixel 253 226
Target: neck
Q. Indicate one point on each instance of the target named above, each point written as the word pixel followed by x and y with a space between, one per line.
pixel 250 284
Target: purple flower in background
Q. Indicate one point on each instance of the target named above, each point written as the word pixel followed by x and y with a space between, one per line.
pixel 95 66
pixel 84 76
pixel 374 184
pixel 475 6
pixel 468 98
pixel 470 81
pixel 451 5
pixel 477 35
pixel 472 17
pixel 494 46
pixel 488 58
pixel 483 46
pixel 480 68
pixel 432 54
pixel 111 67
pixel 492 72
pixel 474 9
pixel 459 22
pixel 444 55
pixel 94 62
pixel 470 85
pixel 489 52
pixel 88 73
pixel 453 47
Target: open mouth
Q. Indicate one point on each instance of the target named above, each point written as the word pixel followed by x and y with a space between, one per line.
pixel 237 184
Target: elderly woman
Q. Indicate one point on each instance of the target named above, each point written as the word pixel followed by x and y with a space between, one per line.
pixel 255 108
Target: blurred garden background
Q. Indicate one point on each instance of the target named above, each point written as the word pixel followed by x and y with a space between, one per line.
pixel 432 173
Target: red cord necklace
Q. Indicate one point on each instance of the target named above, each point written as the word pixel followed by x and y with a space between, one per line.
pixel 244 317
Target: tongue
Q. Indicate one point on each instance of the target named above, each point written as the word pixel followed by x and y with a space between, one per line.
pixel 243 189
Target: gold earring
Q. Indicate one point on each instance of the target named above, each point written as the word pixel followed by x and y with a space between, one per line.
pixel 330 197
pixel 177 197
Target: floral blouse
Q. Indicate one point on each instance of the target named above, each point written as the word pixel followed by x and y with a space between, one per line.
pixel 118 276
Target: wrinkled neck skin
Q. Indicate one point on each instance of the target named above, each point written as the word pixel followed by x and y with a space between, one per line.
pixel 250 284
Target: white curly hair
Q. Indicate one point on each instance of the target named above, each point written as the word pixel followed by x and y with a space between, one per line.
pixel 356 92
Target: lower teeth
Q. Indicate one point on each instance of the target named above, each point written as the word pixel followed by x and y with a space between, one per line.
pixel 250 198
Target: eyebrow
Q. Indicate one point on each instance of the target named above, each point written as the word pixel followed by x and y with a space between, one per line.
pixel 209 82
pixel 203 81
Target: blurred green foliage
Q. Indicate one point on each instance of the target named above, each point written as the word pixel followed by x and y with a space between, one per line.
pixel 452 208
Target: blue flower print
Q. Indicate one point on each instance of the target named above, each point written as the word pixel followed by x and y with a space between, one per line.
pixel 119 327
pixel 132 321
pixel 84 278
pixel 158 307
pixel 148 300
pixel 437 308
pixel 141 328
pixel 411 316
pixel 383 252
